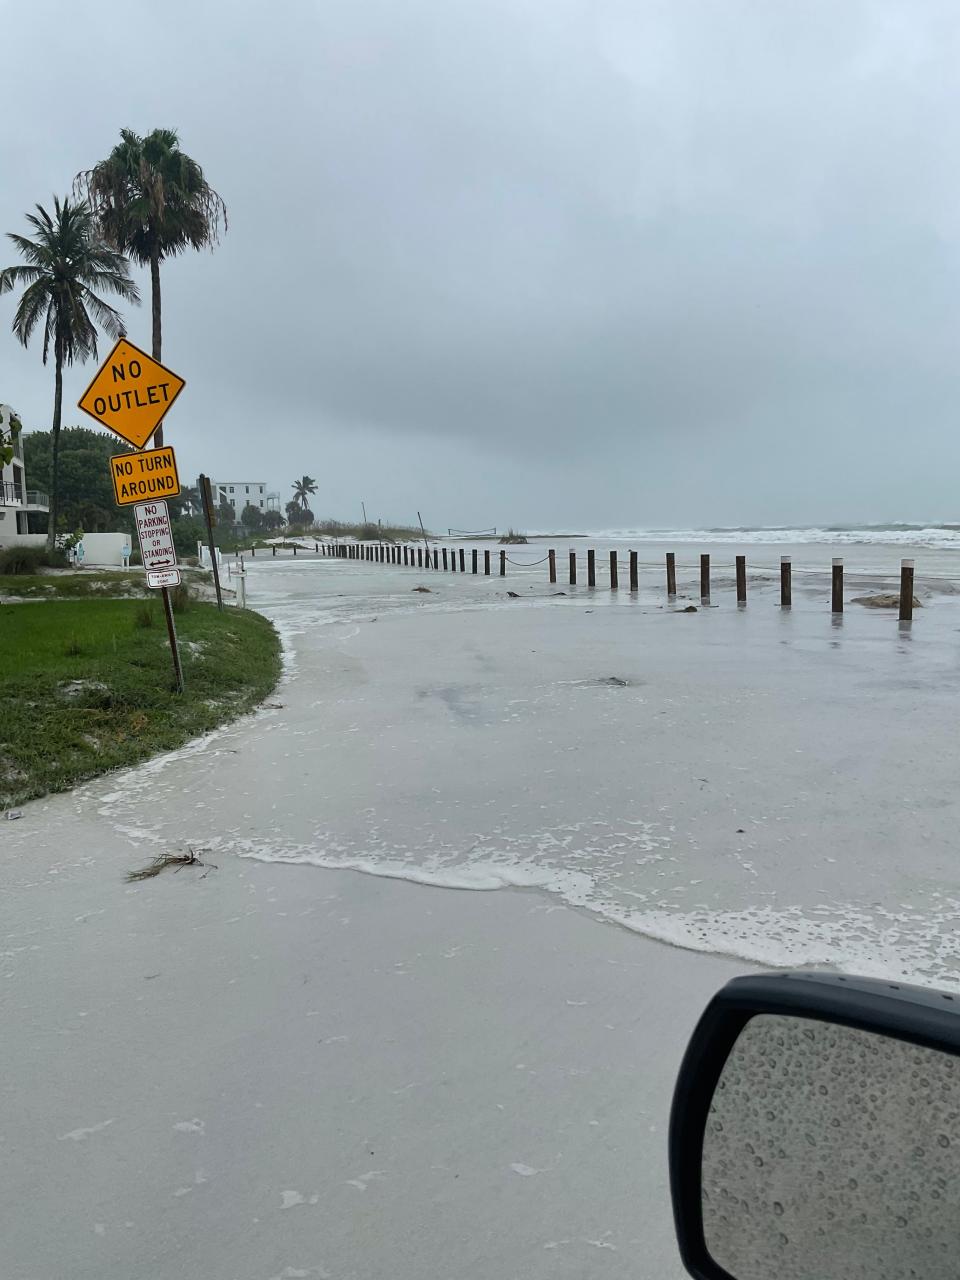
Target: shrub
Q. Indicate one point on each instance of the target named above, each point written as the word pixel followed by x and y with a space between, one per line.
pixel 21 559
pixel 180 598
pixel 512 536
pixel 144 616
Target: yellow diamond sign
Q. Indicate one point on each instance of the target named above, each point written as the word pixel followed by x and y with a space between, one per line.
pixel 131 393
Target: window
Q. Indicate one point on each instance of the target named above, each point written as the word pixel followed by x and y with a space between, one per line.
pixel 231 488
pixel 248 488
pixel 261 502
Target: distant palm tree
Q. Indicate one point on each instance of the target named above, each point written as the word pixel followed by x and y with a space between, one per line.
pixel 67 266
pixel 153 202
pixel 302 489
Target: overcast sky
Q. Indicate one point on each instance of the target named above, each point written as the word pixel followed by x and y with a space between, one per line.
pixel 560 263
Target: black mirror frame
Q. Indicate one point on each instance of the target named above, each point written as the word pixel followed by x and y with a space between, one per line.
pixel 916 1014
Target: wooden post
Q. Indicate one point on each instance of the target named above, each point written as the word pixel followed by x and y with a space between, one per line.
pixel 463 561
pixel 503 564
pixel 419 557
pixel 404 553
pixel 591 569
pixel 294 551
pixel 274 549
pixel 906 590
pixel 573 568
pixel 316 548
pixel 444 559
pixel 741 579
pixel 836 595
pixel 614 573
pixel 786 587
pixel 436 558
pixel 206 495
pixel 474 559
pixel 486 563
pixel 634 572
pixel 671 573
pixel 552 557
pixel 704 578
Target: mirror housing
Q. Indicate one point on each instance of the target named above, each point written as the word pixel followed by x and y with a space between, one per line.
pixel 910 1016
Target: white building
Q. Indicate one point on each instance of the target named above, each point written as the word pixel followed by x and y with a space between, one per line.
pixel 16 500
pixel 240 494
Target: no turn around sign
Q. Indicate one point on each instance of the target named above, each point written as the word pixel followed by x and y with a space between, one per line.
pixel 151 474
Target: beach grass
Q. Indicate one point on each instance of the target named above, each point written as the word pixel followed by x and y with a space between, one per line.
pixel 52 586
pixel 87 685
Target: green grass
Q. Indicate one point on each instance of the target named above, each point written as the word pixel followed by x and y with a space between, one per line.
pixel 85 687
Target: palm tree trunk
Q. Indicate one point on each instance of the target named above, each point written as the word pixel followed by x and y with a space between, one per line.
pixel 55 460
pixel 157 331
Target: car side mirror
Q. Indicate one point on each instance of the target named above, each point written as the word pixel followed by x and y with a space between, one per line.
pixel 815 1132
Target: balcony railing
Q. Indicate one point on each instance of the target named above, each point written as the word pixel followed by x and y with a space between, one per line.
pixel 14 495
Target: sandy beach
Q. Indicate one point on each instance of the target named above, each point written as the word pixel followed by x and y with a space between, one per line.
pixel 475 872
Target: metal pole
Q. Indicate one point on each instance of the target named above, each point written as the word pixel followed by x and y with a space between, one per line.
pixel 172 634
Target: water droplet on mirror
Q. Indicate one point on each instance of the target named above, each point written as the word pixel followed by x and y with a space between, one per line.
pixel 943 1140
pixel 777 1208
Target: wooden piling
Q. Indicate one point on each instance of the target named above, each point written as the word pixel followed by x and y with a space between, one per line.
pixel 591 569
pixel 786 586
pixel 419 557
pixel 405 549
pixel 444 559
pixel 614 572
pixel 906 590
pixel 741 579
pixel 573 568
pixel 503 564
pixel 294 551
pixel 316 548
pixel 634 571
pixel 704 577
pixel 436 558
pixel 486 563
pixel 671 573
pixel 552 558
pixel 274 551
pixel 463 561
pixel 836 594
pixel 473 558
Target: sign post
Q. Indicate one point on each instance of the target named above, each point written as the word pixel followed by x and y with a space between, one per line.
pixel 209 515
pixel 130 395
pixel 159 556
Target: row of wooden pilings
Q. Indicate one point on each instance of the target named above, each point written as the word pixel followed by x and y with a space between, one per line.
pixel 448 559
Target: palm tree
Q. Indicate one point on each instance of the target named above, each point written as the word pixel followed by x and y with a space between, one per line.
pixel 66 268
pixel 302 489
pixel 153 202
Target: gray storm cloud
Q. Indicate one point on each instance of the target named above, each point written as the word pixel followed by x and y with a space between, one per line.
pixel 546 262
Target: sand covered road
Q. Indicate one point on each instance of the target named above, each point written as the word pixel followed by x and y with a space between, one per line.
pixel 274 1070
